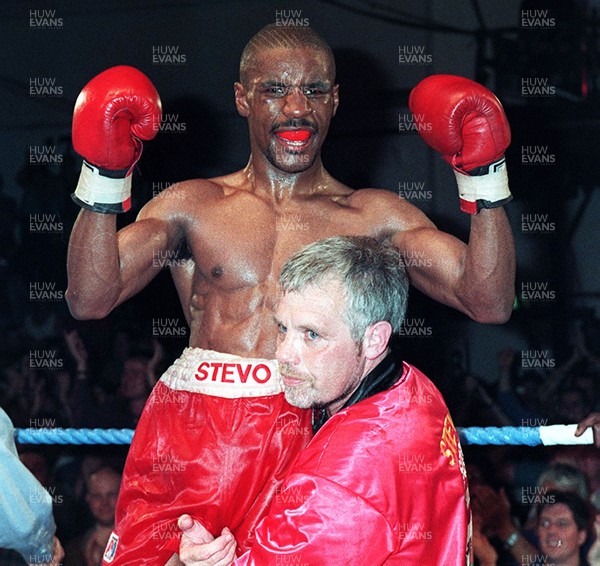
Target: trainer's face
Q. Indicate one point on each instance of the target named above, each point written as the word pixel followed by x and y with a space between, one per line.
pixel 321 365
pixel 289 98
pixel 559 537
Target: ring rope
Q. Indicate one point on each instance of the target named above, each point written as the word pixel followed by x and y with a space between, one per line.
pixel 551 435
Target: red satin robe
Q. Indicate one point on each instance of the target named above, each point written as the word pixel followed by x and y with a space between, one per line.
pixel 383 482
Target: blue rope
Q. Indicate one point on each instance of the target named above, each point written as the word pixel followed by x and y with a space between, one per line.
pixel 524 435
pixel 506 435
pixel 73 435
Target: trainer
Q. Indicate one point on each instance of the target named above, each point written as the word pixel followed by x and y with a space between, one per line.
pixel 383 481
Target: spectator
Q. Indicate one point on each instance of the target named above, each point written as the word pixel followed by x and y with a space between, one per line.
pixel 564 477
pixel 519 395
pixel 138 377
pixel 14 389
pixel 572 405
pixel 562 530
pixel 493 513
pixel 493 518
pixel 101 497
pixel 559 476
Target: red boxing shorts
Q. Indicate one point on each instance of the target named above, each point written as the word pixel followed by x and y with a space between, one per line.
pixel 215 440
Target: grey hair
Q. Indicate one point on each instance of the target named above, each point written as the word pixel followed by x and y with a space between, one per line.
pixel 565 478
pixel 275 36
pixel 372 274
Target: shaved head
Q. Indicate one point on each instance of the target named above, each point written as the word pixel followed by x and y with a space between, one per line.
pixel 274 36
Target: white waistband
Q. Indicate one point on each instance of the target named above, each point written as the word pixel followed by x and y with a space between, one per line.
pixel 223 375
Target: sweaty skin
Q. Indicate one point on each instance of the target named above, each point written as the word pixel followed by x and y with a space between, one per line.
pixel 241 227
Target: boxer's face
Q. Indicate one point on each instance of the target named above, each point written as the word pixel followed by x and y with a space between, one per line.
pixel 321 365
pixel 558 534
pixel 289 98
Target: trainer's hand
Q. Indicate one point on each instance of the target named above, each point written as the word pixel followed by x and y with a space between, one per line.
pixel 592 420
pixel 465 122
pixel 114 111
pixel 199 548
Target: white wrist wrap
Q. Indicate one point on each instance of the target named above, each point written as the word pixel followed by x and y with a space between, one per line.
pixel 101 193
pixel 483 191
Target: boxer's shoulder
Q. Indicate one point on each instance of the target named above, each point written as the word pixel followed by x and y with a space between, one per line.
pixel 201 189
pixel 343 195
pixel 379 197
pixel 187 196
pixel 222 188
pixel 182 192
pixel 388 207
pixel 178 202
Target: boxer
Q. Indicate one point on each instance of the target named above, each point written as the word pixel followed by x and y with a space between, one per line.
pixel 234 227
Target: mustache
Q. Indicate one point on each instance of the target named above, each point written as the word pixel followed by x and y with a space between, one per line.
pixel 286 370
pixel 295 123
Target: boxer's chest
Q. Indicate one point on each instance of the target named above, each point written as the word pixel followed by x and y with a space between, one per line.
pixel 237 245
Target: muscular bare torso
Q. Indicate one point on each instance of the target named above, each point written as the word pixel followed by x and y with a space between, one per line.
pixel 239 237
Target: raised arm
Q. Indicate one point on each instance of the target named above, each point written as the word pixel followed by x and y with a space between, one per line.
pixel 113 112
pixel 477 278
pixel 106 267
pixel 466 123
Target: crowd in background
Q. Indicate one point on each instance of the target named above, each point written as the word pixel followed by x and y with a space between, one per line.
pixel 58 372
pixel 99 374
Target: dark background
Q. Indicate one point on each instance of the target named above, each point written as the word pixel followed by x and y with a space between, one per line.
pixel 541 58
pixel 479 40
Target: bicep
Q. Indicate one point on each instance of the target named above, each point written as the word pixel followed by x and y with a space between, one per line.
pixel 434 259
pixel 434 262
pixel 145 247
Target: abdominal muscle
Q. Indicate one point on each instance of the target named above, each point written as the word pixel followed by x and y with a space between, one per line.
pixel 237 322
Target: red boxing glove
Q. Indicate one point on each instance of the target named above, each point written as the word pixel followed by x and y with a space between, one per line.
pixel 465 122
pixel 113 112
